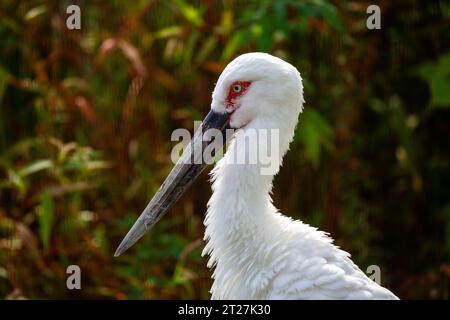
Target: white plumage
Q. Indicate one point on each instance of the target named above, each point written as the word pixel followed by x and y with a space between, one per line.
pixel 256 252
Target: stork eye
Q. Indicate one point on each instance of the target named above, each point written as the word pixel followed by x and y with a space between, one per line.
pixel 237 88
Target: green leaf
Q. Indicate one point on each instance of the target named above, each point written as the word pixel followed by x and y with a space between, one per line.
pixel 437 74
pixel 331 16
pixel 16 181
pixel 45 216
pixel 319 9
pixel 233 45
pixel 35 12
pixel 206 49
pixel 35 167
pixel 3 273
pixel 97 165
pixel 315 133
pixel 264 41
pixel 190 13
pixel 168 32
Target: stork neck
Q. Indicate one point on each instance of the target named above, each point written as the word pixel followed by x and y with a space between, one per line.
pixel 240 214
pixel 241 190
pixel 241 194
pixel 239 203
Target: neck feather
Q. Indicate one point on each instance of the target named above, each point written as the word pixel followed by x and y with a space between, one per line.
pixel 241 204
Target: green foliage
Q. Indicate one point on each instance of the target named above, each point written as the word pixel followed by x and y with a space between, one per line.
pixel 316 134
pixel 45 215
pixel 437 74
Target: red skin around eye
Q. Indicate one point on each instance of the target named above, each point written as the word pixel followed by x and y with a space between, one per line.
pixel 231 97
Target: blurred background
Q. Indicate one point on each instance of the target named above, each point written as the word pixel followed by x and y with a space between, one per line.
pixel 86 118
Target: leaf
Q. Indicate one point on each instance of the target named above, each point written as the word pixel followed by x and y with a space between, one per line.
pixel 226 23
pixel 168 32
pixel 16 180
pixel 97 165
pixel 35 167
pixel 190 13
pixel 233 45
pixel 206 49
pixel 322 10
pixel 3 273
pixel 35 12
pixel 265 37
pixel 133 56
pixel 331 16
pixel 45 216
pixel 280 16
pixel 315 133
pixel 437 74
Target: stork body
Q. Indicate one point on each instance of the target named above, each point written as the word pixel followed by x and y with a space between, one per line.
pixel 256 252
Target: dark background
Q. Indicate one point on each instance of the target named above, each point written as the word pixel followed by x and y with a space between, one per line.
pixel 86 118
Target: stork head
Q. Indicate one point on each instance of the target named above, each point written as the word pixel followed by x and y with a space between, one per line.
pixel 259 86
pixel 255 90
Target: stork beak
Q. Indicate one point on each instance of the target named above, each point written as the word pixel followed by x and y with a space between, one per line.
pixel 192 162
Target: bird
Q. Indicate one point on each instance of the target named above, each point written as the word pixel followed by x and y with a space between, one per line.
pixel 255 251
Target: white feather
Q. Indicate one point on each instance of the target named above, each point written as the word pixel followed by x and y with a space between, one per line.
pixel 256 252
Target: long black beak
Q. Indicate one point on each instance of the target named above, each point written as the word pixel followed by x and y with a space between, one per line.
pixel 192 162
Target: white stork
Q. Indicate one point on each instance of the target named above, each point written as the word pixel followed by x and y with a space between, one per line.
pixel 256 252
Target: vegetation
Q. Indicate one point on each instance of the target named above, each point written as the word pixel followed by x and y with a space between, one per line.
pixel 86 118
